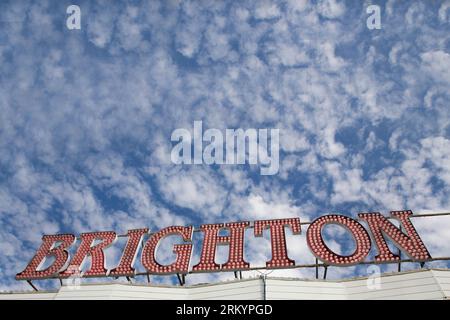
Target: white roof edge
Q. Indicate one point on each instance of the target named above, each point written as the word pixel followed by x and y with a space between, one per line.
pixel 232 281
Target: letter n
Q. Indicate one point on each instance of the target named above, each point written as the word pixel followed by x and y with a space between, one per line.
pixel 408 242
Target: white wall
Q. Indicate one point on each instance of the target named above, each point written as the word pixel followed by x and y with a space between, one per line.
pixel 421 284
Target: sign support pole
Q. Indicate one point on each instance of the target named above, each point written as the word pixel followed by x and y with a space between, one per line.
pixel 400 256
pixel 181 279
pixel 317 268
pixel 325 272
pixel 32 285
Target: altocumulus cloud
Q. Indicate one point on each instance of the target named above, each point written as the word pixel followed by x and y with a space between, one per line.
pixel 86 115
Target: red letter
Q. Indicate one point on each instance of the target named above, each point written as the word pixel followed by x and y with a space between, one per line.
pixel 322 252
pixel 86 249
pixel 183 251
pixel 280 257
pixel 409 243
pixel 236 247
pixel 48 248
pixel 125 267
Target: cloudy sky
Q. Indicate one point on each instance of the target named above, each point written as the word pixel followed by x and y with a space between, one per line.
pixel 86 118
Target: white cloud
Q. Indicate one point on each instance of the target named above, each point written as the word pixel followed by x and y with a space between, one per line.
pixel 267 10
pixel 443 11
pixel 194 188
pixel 435 62
pixel 331 8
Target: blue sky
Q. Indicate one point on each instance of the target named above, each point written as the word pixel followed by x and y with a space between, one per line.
pixel 86 117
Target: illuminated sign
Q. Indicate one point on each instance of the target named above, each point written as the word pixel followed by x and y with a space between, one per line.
pixel 380 232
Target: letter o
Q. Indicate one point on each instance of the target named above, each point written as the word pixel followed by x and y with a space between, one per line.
pixel 322 252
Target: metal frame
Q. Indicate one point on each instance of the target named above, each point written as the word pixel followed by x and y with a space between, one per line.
pixel 312 265
pixel 181 279
pixel 32 285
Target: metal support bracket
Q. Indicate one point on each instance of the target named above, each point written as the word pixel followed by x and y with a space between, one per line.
pixel 32 285
pixel 325 272
pixel 181 279
pixel 317 268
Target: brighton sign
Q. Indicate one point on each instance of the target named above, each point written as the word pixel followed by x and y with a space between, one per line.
pixel 382 231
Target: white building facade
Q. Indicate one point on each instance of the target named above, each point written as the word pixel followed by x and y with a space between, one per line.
pixel 424 284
